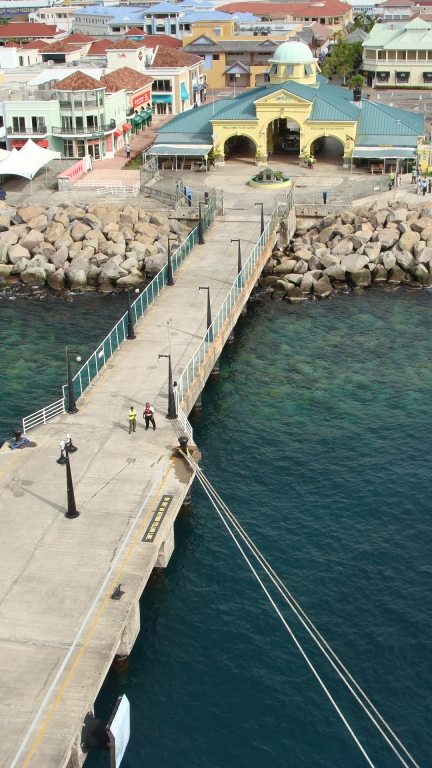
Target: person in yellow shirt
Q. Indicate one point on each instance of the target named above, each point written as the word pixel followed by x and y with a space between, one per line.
pixel 132 419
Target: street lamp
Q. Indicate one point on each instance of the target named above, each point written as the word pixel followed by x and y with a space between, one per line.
pixel 201 240
pixel 66 447
pixel 130 331
pixel 235 78
pixel 72 408
pixel 262 216
pixel 209 317
pixel 172 413
pixel 170 279
pixel 239 261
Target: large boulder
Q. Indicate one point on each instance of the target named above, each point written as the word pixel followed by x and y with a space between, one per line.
pixel 347 217
pixel 354 262
pixel 424 256
pixel 38 222
pixel 111 271
pixel 408 240
pixel 77 280
pixel 379 274
pixel 286 265
pixel 361 277
pixel 389 260
pixel 75 212
pixel 16 252
pixel 6 269
pixel 64 241
pixel 128 280
pixel 388 238
pixel 420 224
pixel 116 249
pixel 56 281
pixel 75 249
pixel 405 259
pixel 78 231
pixel 93 274
pixel 33 276
pixel 328 259
pixel 360 238
pixel 130 262
pixel 326 234
pixel 301 267
pixel 32 239
pixel 396 275
pixel 54 232
pixel 343 248
pixel 79 265
pixel 30 212
pixel 398 215
pixel 323 287
pixel 92 221
pixel 336 272
pixel 419 271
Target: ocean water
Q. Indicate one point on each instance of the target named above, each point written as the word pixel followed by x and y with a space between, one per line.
pixel 318 437
pixel 32 347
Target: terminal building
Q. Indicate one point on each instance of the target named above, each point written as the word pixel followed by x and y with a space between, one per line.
pixel 292 117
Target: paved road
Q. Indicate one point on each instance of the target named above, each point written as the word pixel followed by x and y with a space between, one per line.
pixel 55 578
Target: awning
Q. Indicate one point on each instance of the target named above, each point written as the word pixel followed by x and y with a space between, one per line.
pixel 184 94
pixel 136 119
pixel 118 132
pixel 383 153
pixel 126 127
pixel 18 143
pixel 164 150
pixel 427 77
pixel 198 87
pixel 42 143
pixel 162 98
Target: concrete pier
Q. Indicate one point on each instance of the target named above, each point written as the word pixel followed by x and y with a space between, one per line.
pixel 59 628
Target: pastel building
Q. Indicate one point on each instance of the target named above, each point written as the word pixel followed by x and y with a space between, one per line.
pixel 399 55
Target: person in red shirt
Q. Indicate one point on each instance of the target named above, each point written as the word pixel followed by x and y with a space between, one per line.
pixel 149 416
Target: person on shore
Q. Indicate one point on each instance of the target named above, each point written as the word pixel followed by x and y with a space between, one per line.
pixel 419 185
pixel 429 185
pixel 132 415
pixel 128 151
pixel 424 185
pixel 149 416
pixel 398 179
pixel 391 180
pixel 324 194
pixel 413 174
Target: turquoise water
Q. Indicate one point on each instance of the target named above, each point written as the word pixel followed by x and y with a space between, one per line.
pixel 32 344
pixel 318 436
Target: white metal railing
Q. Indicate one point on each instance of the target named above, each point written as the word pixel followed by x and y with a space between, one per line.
pixel 42 416
pixel 193 367
pixel 93 366
pixel 119 191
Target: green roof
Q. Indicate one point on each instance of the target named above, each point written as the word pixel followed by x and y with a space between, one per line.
pixel 412 36
pixel 381 119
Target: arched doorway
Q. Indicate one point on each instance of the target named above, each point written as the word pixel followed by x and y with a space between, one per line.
pixel 328 149
pixel 240 149
pixel 283 137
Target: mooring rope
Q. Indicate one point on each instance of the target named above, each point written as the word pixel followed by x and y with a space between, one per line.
pixel 225 513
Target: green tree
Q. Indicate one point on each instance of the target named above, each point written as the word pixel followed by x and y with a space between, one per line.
pixel 3 21
pixel 357 81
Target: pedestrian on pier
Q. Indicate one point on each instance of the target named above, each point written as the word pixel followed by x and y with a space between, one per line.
pixel 128 151
pixel 413 174
pixel 132 415
pixel 149 416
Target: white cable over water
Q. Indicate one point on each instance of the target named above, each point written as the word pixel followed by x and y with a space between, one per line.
pixel 225 514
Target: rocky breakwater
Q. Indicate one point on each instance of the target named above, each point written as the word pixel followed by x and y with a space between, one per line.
pixel 85 247
pixel 387 244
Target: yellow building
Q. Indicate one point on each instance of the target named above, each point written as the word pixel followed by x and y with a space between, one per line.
pixel 234 59
pixel 291 116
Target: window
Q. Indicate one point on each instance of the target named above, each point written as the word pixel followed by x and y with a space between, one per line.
pixel 273 69
pixel 18 124
pixel 421 55
pixel 217 31
pixel 38 124
pixel 21 61
pixel 429 55
pixel 322 21
pixel 66 124
pixel 116 29
pixel 215 57
pixel 308 69
pixel 1 121
pixel 68 147
pixel 401 55
pixel 80 147
pixel 162 85
pixel 391 55
pixel 369 54
pixel 382 55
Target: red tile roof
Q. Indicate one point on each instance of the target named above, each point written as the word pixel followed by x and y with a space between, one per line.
pixel 124 45
pixel 10 44
pixel 326 8
pixel 152 41
pixel 77 37
pixel 168 57
pixel 27 29
pixel 33 44
pixel 99 47
pixel 126 78
pixel 134 32
pixel 78 81
pixel 60 46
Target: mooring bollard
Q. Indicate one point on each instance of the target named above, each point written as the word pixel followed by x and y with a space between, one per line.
pixel 183 440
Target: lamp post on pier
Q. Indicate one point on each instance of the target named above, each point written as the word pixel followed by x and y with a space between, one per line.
pixel 262 216
pixel 66 447
pixel 130 331
pixel 201 240
pixel 72 407
pixel 170 279
pixel 209 317
pixel 172 412
pixel 239 259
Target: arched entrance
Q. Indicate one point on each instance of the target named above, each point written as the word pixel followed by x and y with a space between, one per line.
pixel 240 148
pixel 283 137
pixel 327 149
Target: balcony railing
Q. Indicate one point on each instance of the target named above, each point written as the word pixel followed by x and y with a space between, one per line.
pixel 88 104
pixel 27 131
pixel 87 131
pixel 130 112
pixel 382 63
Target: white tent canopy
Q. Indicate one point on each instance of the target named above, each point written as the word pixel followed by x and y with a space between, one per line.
pixel 27 161
pixel 4 153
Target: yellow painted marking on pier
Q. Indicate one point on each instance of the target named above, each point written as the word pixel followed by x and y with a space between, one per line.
pixel 150 315
pixel 97 618
pixel 10 463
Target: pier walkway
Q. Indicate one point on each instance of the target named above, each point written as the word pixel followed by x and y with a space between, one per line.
pixel 59 629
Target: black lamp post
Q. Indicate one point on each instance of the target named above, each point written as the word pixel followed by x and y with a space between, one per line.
pixel 262 216
pixel 66 447
pixel 239 260
pixel 130 331
pixel 172 412
pixel 201 240
pixel 170 279
pixel 209 317
pixel 72 408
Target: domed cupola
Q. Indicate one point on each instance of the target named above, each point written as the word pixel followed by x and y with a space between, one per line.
pixel 293 60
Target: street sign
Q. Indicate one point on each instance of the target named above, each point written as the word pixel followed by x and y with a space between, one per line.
pixel 118 728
